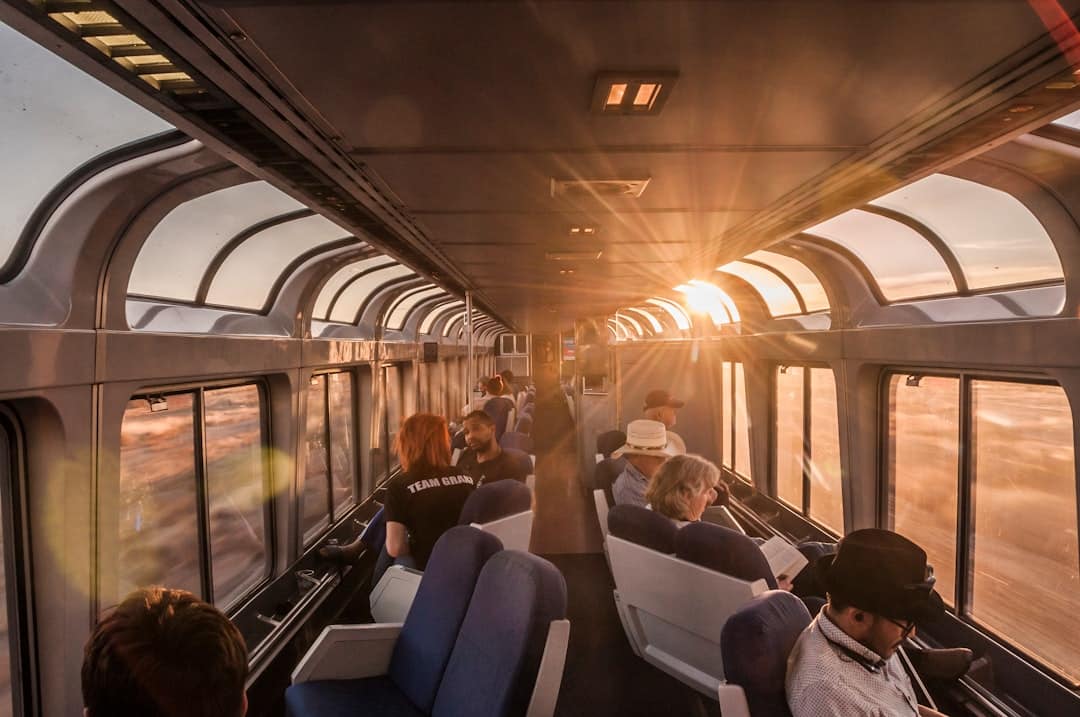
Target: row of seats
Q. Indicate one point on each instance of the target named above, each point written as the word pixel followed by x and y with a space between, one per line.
pixel 486 636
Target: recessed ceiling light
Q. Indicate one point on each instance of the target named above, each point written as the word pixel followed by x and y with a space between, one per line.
pixel 586 230
pixel 575 255
pixel 632 93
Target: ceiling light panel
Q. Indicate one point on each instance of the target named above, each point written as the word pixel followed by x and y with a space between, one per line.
pixel 632 93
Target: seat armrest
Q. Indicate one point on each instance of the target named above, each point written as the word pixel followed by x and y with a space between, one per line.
pixel 349 652
pixel 549 677
pixel 732 701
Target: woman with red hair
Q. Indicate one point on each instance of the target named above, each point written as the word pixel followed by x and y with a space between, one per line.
pixel 426 499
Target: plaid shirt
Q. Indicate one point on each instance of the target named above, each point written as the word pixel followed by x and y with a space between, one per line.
pixel 826 679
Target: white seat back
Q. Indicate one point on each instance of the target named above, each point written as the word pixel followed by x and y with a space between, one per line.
pixel 515 531
pixel 600 499
pixel 394 594
pixel 673 611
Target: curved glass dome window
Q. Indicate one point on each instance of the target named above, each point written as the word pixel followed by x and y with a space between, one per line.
pixel 53 118
pixel 904 265
pixel 651 320
pixel 350 298
pixel 677 313
pixel 339 279
pixel 706 298
pixel 996 239
pixel 437 313
pixel 639 331
pixel 805 281
pixel 248 274
pixel 777 295
pixel 180 249
pixel 406 303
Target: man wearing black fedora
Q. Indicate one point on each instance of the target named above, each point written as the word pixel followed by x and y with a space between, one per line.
pixel 845 663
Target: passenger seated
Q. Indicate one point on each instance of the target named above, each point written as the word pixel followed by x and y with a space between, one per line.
pixel 661 406
pixel 164 653
pixel 845 662
pixel 499 407
pixel 483 458
pixel 646 449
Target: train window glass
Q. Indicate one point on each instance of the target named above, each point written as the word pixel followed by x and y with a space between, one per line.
pixel 342 440
pixel 790 451
pixel 316 500
pixel 677 313
pixel 175 256
pixel 997 241
pixel 726 415
pixel 395 406
pixel 651 320
pixel 8 672
pixel 249 273
pixel 1025 584
pixel 742 426
pixel 809 286
pixel 923 463
pixel 338 279
pixel 826 493
pixel 354 296
pixel 53 118
pixel 435 314
pixel 405 305
pixel 778 296
pixel 158 499
pixel 236 483
pixel 903 263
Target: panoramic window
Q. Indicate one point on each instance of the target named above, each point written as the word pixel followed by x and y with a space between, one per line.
pixel 778 296
pixel 997 241
pixel 923 463
pixel 160 475
pixel 808 471
pixel 735 420
pixel 903 263
pixel 726 418
pixel 404 305
pixel 1025 585
pixel 354 293
pixel 436 313
pixel 341 277
pixel 330 478
pixel 54 118
pixel 809 286
pixel 316 500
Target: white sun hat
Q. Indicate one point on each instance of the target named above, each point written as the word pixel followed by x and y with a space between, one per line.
pixel 646 438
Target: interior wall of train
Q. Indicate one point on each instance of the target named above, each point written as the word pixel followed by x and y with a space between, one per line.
pixel 241 241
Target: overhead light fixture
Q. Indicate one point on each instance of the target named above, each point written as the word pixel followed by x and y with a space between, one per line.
pixel 564 272
pixel 594 188
pixel 583 255
pixel 632 93
pixel 586 230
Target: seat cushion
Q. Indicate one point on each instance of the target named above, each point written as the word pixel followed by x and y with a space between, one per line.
pixel 723 550
pixel 493 668
pixel 496 500
pixel 755 643
pixel 431 627
pixel 643 527
pixel 348 698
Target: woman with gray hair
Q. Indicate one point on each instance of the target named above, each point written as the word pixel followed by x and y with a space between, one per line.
pixel 683 488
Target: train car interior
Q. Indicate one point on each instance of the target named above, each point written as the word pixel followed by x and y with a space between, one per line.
pixel 244 240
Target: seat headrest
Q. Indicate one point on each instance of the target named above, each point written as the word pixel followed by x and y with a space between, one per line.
pixel 609 441
pixel 755 643
pixel 524 424
pixel 427 638
pixel 516 442
pixel 495 500
pixel 643 527
pixel 723 550
pixel 806 583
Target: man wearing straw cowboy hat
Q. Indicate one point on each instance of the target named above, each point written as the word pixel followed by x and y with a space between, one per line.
pixel 845 662
pixel 646 448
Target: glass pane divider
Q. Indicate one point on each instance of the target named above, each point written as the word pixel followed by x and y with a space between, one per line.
pixel 202 498
pixel 965 503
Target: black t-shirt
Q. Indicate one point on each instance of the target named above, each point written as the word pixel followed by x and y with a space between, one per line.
pixel 427 501
pixel 501 467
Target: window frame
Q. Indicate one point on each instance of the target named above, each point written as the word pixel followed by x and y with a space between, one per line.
pixel 206 577
pixel 729 403
pixel 965 497
pixel 803 510
pixel 18 570
pixel 334 520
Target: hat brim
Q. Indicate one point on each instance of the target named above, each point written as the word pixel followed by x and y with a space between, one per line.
pixel 926 610
pixel 675 403
pixel 665 452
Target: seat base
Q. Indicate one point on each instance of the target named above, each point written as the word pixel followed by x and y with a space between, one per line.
pixel 348 698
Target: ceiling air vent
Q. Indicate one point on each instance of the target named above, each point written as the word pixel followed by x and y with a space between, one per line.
pixel 573 188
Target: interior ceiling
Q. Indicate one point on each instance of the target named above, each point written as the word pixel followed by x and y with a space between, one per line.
pixel 466 111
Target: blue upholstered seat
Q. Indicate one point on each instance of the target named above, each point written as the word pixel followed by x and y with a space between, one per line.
pixel 496 500
pixel 643 527
pixel 608 442
pixel 499 408
pixel 524 424
pixel 724 550
pixel 494 664
pixel 755 643
pixel 374 535
pixel 519 442
pixel 604 475
pixel 424 646
pixel 806 584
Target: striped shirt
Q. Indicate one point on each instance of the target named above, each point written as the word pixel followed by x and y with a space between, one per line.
pixel 831 675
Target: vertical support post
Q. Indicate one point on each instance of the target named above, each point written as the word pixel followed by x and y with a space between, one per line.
pixel 470 358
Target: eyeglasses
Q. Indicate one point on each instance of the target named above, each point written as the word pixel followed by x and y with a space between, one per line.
pixel 906 627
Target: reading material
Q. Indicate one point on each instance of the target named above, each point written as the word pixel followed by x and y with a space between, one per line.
pixel 785 560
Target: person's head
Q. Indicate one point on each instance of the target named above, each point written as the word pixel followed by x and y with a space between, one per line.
pixel 660 406
pixel 879 588
pixel 423 440
pixel 508 378
pixel 479 431
pixel 164 653
pixel 646 446
pixel 683 487
pixel 494 386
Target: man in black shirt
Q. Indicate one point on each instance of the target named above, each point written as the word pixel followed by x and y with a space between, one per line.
pixel 484 459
